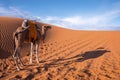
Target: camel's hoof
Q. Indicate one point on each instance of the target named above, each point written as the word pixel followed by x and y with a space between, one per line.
pixel 37 62
pixel 18 69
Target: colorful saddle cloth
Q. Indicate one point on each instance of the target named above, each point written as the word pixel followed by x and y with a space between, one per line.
pixel 32 31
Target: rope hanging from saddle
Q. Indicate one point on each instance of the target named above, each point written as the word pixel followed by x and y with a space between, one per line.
pixel 32 31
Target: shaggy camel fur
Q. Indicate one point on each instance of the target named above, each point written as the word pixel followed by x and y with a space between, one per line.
pixel 32 35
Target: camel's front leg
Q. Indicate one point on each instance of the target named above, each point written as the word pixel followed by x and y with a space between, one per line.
pixel 31 53
pixel 37 53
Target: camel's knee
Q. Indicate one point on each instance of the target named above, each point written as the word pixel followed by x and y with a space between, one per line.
pixel 15 55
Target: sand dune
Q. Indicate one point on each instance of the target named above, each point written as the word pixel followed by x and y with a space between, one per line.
pixel 65 55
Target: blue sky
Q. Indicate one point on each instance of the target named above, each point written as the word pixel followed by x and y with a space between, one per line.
pixel 74 14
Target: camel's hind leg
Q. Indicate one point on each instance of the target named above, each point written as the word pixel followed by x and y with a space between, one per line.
pixel 19 56
pixel 15 56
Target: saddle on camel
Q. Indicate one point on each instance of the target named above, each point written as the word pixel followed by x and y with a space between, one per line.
pixel 32 31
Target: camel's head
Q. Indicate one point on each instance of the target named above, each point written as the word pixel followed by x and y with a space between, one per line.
pixel 47 27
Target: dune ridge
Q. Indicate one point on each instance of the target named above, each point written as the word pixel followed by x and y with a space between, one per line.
pixel 65 55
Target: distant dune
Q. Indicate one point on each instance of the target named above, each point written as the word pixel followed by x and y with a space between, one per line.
pixel 66 54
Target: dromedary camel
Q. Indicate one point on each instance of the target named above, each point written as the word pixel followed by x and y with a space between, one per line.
pixel 32 35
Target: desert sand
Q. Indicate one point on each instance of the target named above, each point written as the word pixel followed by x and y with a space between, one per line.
pixel 66 54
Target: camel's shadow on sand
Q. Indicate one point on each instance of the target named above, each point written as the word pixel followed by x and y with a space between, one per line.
pixel 77 58
pixel 90 55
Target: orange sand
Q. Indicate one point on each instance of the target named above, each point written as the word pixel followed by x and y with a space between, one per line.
pixel 65 55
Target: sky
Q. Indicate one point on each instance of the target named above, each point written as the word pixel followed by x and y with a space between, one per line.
pixel 73 14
